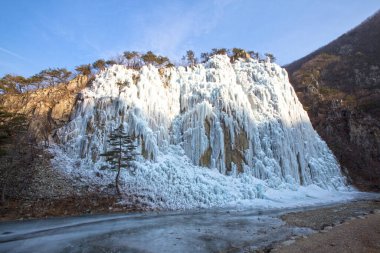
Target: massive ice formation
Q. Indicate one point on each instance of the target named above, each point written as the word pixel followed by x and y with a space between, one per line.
pixel 242 119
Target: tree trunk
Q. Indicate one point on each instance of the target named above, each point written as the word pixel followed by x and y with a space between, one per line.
pixel 118 170
pixel 2 202
pixel 117 182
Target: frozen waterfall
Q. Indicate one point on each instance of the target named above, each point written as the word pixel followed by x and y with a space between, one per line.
pixel 211 134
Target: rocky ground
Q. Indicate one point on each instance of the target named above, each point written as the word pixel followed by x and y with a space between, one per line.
pixel 352 227
pixel 40 191
pixel 17 209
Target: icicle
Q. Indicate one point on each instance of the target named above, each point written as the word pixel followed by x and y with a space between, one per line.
pixel 242 117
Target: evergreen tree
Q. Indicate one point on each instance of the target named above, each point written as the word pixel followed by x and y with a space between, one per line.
pixel 205 57
pixel 50 77
pixel 99 64
pixel 162 60
pixel 12 84
pixel 190 57
pixel 110 63
pixel 84 69
pixel 238 53
pixel 253 54
pixel 35 81
pixel 121 153
pixel 133 59
pixel 149 57
pixel 271 57
pixel 222 51
pixel 157 60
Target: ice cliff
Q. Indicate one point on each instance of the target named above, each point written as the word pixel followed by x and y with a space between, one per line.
pixel 210 135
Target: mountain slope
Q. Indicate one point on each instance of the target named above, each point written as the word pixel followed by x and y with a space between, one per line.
pixel 339 86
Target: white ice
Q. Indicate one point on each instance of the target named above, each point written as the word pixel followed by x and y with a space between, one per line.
pixel 181 114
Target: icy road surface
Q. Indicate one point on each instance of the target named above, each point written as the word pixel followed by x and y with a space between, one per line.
pixel 187 231
pixel 205 231
pixel 208 230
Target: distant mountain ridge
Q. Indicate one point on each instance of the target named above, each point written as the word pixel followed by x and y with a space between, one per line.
pixel 339 86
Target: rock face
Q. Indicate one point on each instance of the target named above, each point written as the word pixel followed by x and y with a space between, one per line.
pixel 47 108
pixel 339 86
pixel 241 119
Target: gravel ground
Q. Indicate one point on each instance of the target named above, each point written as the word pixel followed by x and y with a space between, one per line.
pixel 330 216
pixel 359 235
pixel 351 227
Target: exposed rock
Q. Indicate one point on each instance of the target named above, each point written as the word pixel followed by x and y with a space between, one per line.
pixel 61 111
pixel 78 83
pixel 25 171
pixel 47 108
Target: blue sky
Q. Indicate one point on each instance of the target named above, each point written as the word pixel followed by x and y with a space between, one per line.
pixel 39 34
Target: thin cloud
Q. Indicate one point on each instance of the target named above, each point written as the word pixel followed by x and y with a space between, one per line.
pixel 12 54
pixel 175 30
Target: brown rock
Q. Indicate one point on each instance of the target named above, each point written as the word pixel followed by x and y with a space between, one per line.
pixel 47 108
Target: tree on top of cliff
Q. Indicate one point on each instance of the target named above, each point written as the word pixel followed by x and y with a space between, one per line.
pixel 133 59
pixel 238 53
pixel 253 54
pixel 99 64
pixel 222 51
pixel 157 60
pixel 110 63
pixel 84 69
pixel 50 77
pixel 270 56
pixel 149 57
pixel 190 58
pixel 12 84
pixel 205 57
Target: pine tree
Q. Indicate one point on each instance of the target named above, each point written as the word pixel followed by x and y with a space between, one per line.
pixel 222 51
pixel 133 59
pixel 271 57
pixel 99 65
pixel 50 77
pixel 205 57
pixel 190 57
pixel 149 57
pixel 254 55
pixel 238 53
pixel 84 69
pixel 12 84
pixel 122 152
pixel 109 63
